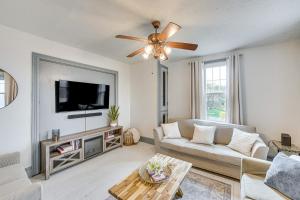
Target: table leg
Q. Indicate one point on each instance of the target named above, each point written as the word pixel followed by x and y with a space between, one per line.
pixel 179 193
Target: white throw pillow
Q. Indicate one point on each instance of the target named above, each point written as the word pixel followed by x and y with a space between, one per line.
pixel 171 130
pixel 297 158
pixel 242 141
pixel 203 134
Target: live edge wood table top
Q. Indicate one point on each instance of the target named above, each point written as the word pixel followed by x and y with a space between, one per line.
pixel 132 188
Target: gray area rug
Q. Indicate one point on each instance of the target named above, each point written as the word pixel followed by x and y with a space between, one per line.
pixel 198 187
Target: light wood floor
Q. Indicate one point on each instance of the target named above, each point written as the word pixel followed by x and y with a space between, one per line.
pixel 91 180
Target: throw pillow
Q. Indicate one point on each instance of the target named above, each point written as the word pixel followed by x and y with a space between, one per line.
pixel 284 176
pixel 295 157
pixel 242 141
pixel 171 130
pixel 203 134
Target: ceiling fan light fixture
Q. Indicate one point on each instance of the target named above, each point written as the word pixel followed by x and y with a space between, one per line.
pixel 145 55
pixel 162 57
pixel 167 50
pixel 148 49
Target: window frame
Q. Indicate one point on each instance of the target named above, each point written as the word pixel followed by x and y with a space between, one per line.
pixel 3 93
pixel 213 64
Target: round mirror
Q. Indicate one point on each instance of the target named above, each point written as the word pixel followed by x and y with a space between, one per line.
pixel 8 88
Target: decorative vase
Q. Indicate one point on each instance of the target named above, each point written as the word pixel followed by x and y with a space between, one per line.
pixel 55 135
pixel 114 123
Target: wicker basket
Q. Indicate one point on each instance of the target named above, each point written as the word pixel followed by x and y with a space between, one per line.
pixel 128 138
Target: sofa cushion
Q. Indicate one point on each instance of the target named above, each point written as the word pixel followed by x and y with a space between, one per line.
pixel 12 173
pixel 186 128
pixel 223 131
pixel 253 187
pixel 212 152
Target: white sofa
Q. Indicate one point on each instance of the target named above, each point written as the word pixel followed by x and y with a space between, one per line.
pixel 217 158
pixel 14 182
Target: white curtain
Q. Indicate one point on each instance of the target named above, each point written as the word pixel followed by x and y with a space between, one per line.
pixel 234 101
pixel 196 88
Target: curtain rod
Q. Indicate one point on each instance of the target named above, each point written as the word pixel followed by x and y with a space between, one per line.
pixel 222 59
pixel 216 60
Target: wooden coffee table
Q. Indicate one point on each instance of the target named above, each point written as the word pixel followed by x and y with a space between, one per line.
pixel 133 188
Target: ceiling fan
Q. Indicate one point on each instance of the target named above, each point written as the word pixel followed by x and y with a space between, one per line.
pixel 157 43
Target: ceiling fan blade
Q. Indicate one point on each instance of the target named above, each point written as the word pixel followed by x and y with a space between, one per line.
pixel 132 38
pixel 182 45
pixel 169 30
pixel 136 52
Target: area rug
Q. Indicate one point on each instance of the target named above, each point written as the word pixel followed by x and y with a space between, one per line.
pixel 199 187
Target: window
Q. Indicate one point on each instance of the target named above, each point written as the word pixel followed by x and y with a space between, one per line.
pixel 215 91
pixel 2 92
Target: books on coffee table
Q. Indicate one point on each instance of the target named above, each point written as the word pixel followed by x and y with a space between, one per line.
pixel 158 177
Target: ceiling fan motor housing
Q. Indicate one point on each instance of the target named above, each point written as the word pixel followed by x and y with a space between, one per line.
pixel 154 38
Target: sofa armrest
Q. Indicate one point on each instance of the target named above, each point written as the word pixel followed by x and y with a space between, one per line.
pixel 158 134
pixel 260 150
pixel 9 159
pixel 29 192
pixel 254 166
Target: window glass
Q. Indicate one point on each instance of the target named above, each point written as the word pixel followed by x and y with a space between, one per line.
pixel 223 72
pixel 209 86
pixel 215 91
pixel 2 100
pixel 216 73
pixel 209 74
pixel 2 87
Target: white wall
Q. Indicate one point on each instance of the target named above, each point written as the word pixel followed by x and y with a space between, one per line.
pixel 271 89
pixel 49 72
pixel 144 103
pixel 15 57
pixel 179 89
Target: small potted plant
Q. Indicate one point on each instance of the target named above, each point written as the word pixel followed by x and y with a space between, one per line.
pixel 154 168
pixel 113 115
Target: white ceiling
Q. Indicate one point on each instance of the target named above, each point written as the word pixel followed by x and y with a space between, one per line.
pixel 216 25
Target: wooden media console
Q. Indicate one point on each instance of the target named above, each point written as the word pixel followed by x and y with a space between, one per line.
pixel 79 148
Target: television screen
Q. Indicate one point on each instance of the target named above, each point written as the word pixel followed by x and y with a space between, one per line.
pixel 72 96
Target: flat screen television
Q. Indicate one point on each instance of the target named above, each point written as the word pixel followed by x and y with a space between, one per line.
pixel 74 96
